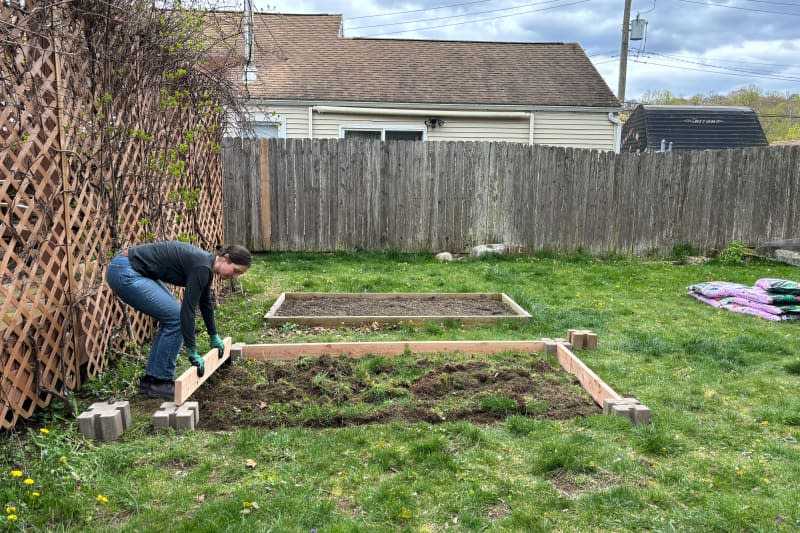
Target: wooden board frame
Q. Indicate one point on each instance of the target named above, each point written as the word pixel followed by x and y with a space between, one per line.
pixel 594 386
pixel 334 321
pixel 189 381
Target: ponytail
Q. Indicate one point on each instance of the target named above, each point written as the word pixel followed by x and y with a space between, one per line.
pixel 238 255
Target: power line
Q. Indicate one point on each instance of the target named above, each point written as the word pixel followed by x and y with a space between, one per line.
pixel 418 10
pixel 612 53
pixel 731 60
pixel 453 16
pixel 476 20
pixel 595 63
pixel 741 8
pixel 766 76
pixel 776 3
pixel 707 64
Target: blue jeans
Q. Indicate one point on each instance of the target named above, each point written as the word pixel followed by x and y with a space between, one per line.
pixel 152 298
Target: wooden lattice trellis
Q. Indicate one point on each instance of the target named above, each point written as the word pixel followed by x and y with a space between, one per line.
pixel 67 202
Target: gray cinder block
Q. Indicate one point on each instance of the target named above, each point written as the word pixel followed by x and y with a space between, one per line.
pixel 181 417
pixel 550 346
pixel 630 408
pixel 582 339
pixel 105 421
pixel 565 342
pixel 236 351
pixel 591 340
pixel 641 415
pixel 576 338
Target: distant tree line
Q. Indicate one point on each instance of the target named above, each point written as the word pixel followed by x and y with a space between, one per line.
pixel 779 113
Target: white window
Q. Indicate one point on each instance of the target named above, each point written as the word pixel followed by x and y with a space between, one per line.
pixel 383 132
pixel 267 126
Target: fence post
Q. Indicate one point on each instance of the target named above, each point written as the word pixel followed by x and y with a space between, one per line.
pixel 266 224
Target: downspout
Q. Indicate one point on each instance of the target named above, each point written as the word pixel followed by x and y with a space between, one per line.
pixel 617 131
pixel 530 133
pixel 310 122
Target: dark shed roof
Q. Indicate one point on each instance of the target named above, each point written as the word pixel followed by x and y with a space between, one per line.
pixel 691 128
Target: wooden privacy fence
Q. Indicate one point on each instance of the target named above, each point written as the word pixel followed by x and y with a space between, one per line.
pixel 325 195
pixel 67 201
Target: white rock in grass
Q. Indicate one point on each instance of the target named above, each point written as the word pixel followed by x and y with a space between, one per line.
pixel 483 249
pixel 788 256
pixel 444 256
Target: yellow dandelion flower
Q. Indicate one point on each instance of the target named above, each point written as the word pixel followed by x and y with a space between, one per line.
pixel 11 517
pixel 35 494
pixel 765 422
pixel 44 431
pixel 11 509
pixel 29 481
pixel 102 499
pixel 16 473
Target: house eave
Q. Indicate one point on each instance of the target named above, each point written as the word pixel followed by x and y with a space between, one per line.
pixel 416 106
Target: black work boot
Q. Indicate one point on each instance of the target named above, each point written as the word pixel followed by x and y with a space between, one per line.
pixel 144 383
pixel 161 388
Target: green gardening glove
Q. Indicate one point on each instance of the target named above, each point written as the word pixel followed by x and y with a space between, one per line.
pixel 216 342
pixel 197 361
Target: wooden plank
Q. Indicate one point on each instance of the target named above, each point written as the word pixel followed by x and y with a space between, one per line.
pixel 357 320
pixel 596 387
pixel 287 352
pixel 398 295
pixel 189 381
pixel 266 223
pixel 514 305
pixel 278 303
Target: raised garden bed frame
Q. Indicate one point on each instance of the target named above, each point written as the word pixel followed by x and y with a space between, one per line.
pixel 272 319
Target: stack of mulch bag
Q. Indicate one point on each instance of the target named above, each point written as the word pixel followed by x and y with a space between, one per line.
pixel 771 299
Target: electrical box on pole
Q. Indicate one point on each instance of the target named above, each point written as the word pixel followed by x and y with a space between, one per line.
pixel 638 27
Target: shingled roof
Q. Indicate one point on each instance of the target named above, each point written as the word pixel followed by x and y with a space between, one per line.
pixel 303 57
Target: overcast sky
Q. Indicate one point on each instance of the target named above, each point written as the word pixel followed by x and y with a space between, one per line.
pixel 690 46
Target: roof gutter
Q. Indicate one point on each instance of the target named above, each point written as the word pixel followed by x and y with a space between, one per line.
pixel 420 112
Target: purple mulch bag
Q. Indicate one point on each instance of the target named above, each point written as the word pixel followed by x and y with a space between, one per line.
pixel 747 310
pixel 714 302
pixel 716 289
pixel 767 308
pixel 780 286
pixel 761 296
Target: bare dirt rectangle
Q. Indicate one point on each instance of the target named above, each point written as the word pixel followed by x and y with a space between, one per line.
pixel 335 309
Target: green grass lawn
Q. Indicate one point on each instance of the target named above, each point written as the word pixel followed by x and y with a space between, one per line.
pixel 721 455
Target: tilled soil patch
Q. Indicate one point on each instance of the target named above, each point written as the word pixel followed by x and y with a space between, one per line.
pixel 335 392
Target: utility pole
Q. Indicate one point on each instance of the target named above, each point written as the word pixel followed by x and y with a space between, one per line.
pixel 623 52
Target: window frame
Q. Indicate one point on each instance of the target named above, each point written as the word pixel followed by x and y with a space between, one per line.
pixel 268 119
pixel 382 128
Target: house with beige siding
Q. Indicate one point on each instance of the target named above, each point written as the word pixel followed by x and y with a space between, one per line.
pixel 304 80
